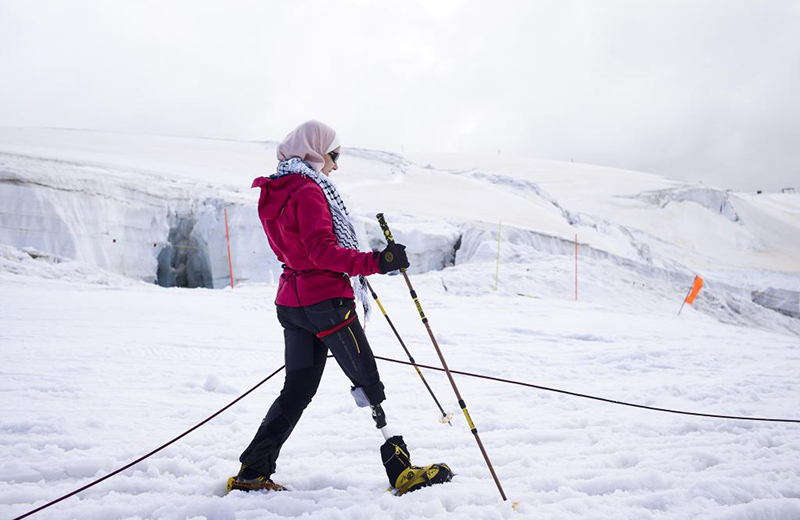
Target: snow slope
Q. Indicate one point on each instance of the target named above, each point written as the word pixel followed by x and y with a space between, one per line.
pixel 101 365
pixel 99 373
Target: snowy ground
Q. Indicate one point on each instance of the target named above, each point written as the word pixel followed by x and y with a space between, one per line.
pixel 100 370
pixel 100 366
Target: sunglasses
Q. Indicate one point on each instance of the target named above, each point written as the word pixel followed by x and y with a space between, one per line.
pixel 334 156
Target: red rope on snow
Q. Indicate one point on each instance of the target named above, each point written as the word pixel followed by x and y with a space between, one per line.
pixel 427 367
pixel 140 459
pixel 587 396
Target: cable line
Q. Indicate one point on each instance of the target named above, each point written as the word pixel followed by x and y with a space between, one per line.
pixel 400 362
pixel 594 397
pixel 148 455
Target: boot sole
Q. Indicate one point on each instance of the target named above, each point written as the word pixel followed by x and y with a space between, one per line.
pixel 233 484
pixel 445 474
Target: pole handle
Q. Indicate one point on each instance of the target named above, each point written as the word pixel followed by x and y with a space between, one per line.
pixel 385 228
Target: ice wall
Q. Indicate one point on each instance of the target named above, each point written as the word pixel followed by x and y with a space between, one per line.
pixel 718 201
pixel 102 224
pixel 542 266
pixel 152 229
pixel 781 300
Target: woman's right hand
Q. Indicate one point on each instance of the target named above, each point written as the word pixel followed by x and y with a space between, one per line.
pixel 392 258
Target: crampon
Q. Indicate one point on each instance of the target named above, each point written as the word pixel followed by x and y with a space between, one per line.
pixel 260 483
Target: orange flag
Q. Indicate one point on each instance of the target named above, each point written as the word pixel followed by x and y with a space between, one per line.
pixel 698 284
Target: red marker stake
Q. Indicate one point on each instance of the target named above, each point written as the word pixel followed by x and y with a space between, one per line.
pixel 576 267
pixel 228 239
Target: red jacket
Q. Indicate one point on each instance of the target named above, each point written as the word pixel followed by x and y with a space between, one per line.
pixel 297 220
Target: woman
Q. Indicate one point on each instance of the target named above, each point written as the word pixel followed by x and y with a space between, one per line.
pixel 311 232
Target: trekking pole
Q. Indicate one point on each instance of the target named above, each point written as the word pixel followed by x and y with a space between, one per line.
pixel 390 239
pixel 446 417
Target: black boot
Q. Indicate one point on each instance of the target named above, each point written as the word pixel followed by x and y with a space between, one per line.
pixel 251 480
pixel 403 477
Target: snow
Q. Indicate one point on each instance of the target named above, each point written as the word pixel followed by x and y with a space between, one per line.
pixel 101 365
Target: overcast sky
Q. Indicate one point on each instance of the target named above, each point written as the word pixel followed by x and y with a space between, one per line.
pixel 701 90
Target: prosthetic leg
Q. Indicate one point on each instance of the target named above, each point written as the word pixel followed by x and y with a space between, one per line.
pixel 380 421
pixel 403 476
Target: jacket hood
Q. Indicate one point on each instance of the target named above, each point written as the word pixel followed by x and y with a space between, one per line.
pixel 276 192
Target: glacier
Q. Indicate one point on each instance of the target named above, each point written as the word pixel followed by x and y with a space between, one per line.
pixel 113 341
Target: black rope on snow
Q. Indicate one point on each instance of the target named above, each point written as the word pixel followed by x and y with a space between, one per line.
pixel 143 457
pixel 427 367
pixel 587 396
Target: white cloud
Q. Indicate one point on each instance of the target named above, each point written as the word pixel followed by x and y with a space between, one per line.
pixel 703 90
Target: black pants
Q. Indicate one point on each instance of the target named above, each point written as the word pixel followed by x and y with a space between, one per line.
pixel 309 333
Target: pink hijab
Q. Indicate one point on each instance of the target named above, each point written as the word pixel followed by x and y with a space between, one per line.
pixel 310 142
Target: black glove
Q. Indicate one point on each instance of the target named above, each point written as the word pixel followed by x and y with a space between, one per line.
pixel 393 257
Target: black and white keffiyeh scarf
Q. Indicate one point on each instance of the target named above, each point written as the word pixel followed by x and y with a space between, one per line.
pixel 343 226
